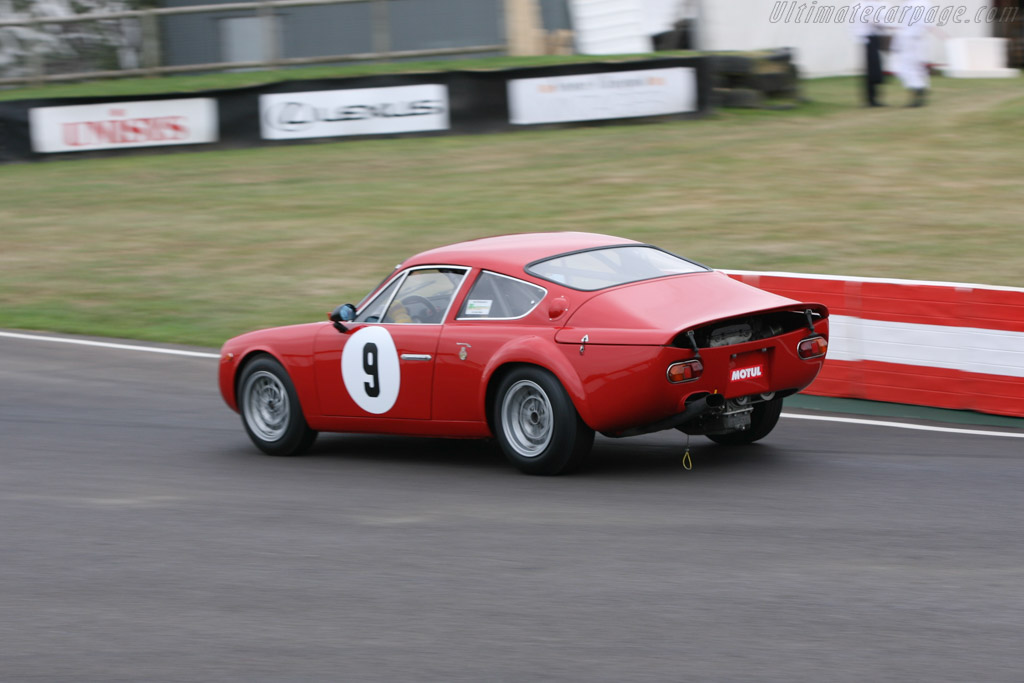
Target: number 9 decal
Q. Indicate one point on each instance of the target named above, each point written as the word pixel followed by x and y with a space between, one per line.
pixel 369 367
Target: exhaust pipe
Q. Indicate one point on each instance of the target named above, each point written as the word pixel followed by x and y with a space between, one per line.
pixel 693 411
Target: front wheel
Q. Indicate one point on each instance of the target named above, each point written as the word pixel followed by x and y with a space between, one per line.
pixel 762 421
pixel 270 409
pixel 537 425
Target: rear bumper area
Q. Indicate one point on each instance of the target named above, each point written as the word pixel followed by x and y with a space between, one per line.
pixel 627 387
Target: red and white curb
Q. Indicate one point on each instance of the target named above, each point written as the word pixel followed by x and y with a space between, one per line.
pixel 941 344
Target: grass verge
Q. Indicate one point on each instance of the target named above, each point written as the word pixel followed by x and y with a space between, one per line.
pixel 194 247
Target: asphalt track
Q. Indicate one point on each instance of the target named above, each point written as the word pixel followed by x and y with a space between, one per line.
pixel 144 539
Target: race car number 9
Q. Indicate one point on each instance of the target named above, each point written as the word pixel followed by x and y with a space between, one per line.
pixel 369 367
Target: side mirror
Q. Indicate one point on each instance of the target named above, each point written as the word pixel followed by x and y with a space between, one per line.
pixel 342 314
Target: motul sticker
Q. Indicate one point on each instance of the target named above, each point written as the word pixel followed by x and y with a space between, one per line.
pixel 747 373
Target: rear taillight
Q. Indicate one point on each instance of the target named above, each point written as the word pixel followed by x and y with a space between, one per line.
pixel 687 371
pixel 812 347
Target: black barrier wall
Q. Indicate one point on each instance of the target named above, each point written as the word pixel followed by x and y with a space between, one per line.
pixel 441 103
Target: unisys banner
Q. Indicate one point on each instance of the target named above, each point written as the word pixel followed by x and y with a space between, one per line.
pixel 115 125
pixel 946 345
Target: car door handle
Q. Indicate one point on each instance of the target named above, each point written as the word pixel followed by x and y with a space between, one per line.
pixel 416 356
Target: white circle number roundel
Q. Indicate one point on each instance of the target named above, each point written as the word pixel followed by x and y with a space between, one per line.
pixel 369 366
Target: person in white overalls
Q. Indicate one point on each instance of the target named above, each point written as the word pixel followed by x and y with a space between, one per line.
pixel 909 55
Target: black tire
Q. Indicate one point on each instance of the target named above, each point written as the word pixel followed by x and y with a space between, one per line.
pixel 537 425
pixel 762 422
pixel 271 413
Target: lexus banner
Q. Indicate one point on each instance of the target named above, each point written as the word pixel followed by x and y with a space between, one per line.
pixel 356 111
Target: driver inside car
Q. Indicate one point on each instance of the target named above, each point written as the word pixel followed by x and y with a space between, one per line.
pixel 397 313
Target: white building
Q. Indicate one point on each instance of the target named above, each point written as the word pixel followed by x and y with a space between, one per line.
pixel 820 31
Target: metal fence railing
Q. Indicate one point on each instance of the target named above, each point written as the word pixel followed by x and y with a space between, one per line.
pixel 129 42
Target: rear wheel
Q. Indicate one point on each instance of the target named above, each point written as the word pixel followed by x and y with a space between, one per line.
pixel 537 425
pixel 270 409
pixel 762 421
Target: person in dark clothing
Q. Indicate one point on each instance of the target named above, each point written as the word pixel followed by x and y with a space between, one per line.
pixel 870 30
pixel 874 77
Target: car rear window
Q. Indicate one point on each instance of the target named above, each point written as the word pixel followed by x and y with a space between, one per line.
pixel 610 266
pixel 500 297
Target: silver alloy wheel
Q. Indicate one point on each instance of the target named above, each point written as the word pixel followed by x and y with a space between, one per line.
pixel 265 405
pixel 527 419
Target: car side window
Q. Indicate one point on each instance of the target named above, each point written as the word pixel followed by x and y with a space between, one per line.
pixel 424 296
pixel 496 297
pixel 372 313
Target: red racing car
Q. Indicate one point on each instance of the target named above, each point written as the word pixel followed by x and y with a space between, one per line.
pixel 539 341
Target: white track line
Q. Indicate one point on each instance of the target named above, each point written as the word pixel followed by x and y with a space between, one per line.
pixel 201 354
pixel 903 425
pixel 110 345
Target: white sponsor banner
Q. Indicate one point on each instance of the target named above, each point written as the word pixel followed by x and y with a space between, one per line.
pixel 113 125
pixel 360 111
pixel 610 95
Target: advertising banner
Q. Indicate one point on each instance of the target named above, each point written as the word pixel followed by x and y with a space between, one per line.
pixel 117 125
pixel 357 111
pixel 454 102
pixel 610 95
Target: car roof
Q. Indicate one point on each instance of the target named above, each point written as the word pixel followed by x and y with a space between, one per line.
pixel 510 253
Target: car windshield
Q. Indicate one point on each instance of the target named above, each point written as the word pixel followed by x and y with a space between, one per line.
pixel 610 266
